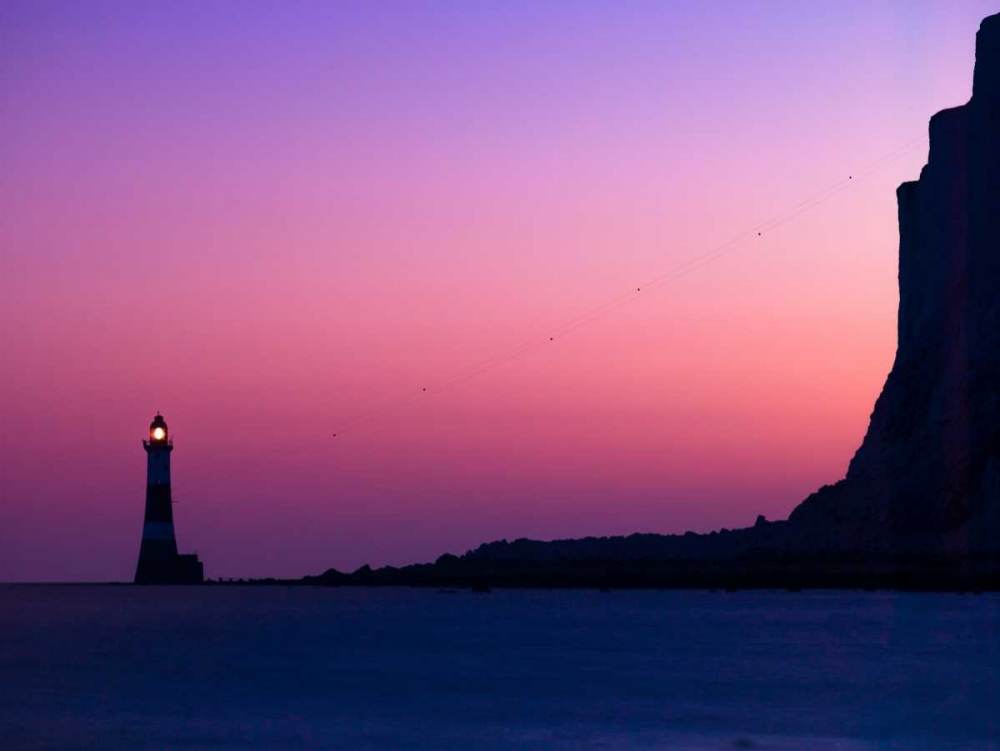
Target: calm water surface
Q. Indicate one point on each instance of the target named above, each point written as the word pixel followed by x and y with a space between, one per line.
pixel 290 668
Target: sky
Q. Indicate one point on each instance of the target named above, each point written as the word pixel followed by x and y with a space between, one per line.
pixel 274 222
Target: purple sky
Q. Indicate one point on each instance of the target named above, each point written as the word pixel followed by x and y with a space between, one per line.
pixel 263 219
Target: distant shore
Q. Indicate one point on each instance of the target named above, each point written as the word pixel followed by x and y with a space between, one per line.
pixel 980 574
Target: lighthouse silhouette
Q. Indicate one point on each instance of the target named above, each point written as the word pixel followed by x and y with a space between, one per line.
pixel 159 562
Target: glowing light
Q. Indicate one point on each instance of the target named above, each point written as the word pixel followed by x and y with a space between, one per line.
pixel 159 434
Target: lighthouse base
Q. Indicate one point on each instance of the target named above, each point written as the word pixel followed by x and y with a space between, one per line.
pixel 178 569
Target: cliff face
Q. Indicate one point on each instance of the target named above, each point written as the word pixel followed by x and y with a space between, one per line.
pixel 928 471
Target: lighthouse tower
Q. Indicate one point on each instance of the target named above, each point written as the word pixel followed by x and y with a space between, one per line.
pixel 159 562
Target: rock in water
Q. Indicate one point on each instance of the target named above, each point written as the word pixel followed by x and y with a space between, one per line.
pixel 927 476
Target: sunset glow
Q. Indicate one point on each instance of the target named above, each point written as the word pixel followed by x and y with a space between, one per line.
pixel 352 217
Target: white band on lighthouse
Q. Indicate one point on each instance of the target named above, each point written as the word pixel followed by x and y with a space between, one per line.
pixel 158 531
pixel 158 468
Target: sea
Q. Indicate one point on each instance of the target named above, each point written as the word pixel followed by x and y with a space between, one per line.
pixel 231 667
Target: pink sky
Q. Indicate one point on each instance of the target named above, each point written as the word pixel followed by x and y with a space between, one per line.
pixel 263 220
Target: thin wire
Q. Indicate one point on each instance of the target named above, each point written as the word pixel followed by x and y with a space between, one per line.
pixel 581 320
pixel 599 311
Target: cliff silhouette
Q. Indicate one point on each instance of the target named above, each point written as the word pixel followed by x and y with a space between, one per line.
pixel 920 504
pixel 927 476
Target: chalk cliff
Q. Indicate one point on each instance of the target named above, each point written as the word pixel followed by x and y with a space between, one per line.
pixel 927 475
pixel 920 505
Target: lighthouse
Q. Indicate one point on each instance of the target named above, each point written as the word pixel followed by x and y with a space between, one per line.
pixel 159 562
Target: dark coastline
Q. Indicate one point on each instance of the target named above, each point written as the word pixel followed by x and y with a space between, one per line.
pixel 974 575
pixel 844 572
